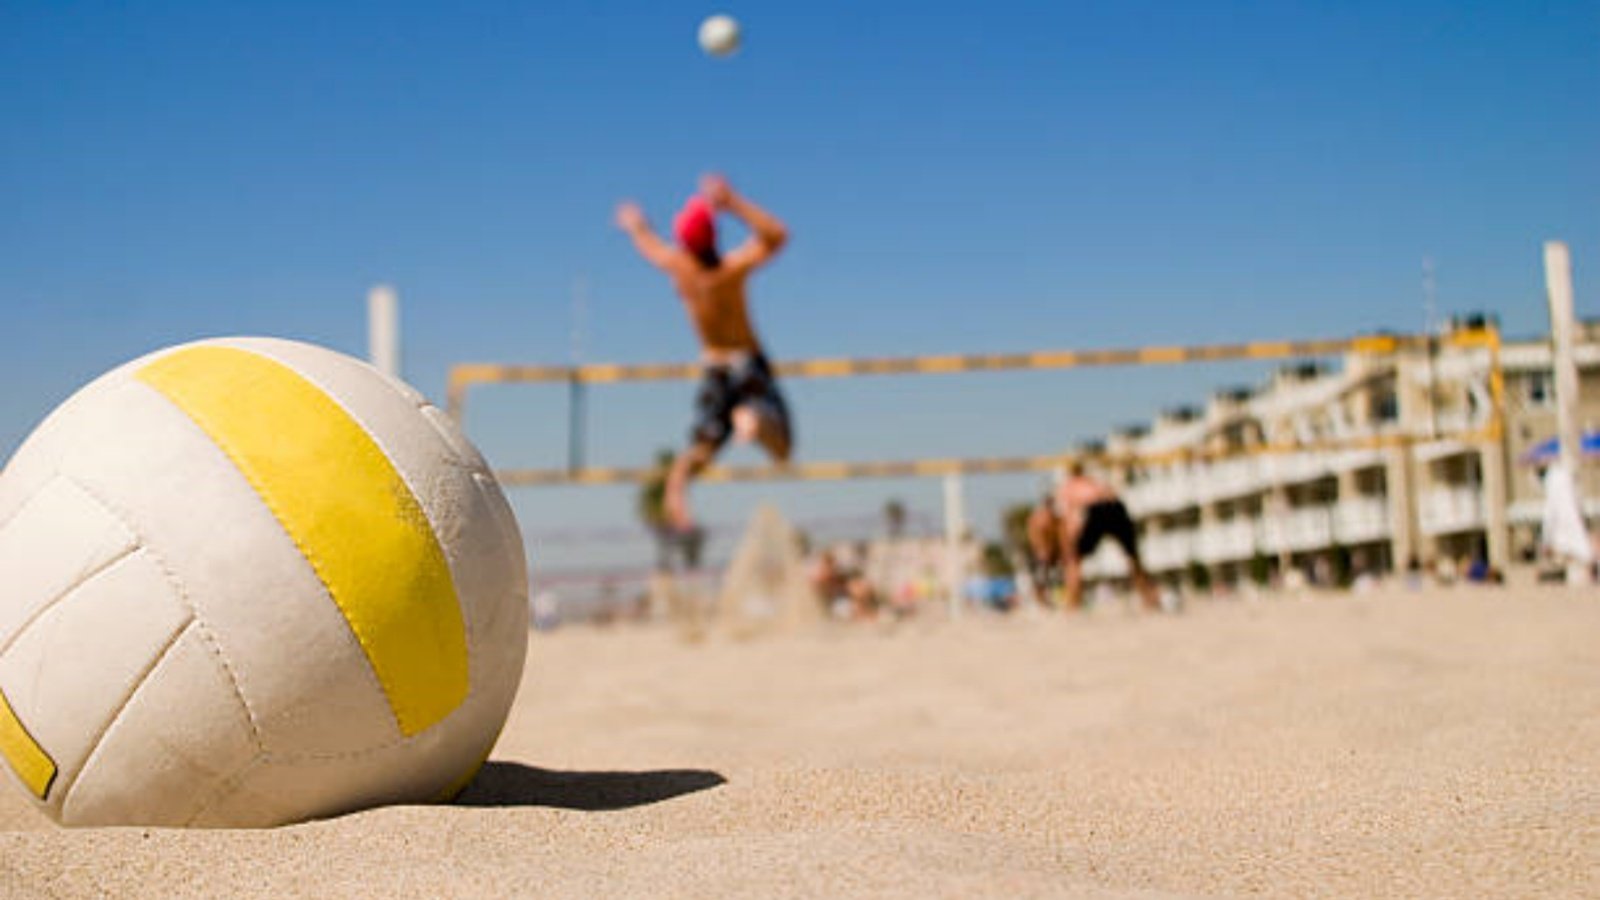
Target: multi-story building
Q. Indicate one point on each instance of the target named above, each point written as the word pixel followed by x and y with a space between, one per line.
pixel 1377 461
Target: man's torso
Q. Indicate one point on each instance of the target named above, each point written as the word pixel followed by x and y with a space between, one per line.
pixel 1080 492
pixel 715 301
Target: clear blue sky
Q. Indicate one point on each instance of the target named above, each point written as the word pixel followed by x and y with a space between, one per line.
pixel 958 177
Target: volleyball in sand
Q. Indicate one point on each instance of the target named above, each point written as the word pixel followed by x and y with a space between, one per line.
pixel 719 35
pixel 251 582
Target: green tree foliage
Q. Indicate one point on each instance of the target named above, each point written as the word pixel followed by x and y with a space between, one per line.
pixel 1260 569
pixel 651 502
pixel 894 518
pixel 996 562
pixel 1340 566
pixel 651 507
pixel 1014 529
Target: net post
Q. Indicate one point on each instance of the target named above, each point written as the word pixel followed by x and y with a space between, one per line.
pixel 576 420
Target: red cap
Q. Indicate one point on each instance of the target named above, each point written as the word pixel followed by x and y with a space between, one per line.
pixel 696 226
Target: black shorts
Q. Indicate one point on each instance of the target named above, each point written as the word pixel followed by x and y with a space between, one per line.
pixel 1108 518
pixel 726 388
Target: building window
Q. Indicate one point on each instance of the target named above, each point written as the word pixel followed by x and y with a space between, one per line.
pixel 1386 407
pixel 1541 389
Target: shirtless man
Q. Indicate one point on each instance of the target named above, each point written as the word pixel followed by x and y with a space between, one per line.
pixel 1092 511
pixel 1044 542
pixel 738 395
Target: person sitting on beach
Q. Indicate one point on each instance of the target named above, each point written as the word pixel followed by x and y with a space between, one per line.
pixel 1091 511
pixel 830 582
pixel 863 598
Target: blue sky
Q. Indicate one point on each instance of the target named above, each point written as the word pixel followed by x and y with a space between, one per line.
pixel 958 177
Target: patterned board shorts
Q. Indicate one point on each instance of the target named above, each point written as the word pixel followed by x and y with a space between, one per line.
pixel 724 388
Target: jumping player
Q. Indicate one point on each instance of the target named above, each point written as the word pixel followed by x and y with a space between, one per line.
pixel 1093 511
pixel 738 394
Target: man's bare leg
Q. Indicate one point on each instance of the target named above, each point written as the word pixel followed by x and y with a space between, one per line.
pixel 1071 565
pixel 750 425
pixel 1072 571
pixel 689 463
pixel 1145 585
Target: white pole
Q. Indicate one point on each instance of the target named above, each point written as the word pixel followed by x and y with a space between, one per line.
pixel 1558 284
pixel 1430 320
pixel 383 329
pixel 955 528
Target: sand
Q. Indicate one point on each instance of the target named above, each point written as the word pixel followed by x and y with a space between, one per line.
pixel 1397 744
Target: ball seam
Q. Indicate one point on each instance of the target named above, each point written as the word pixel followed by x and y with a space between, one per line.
pixel 83 579
pixel 206 634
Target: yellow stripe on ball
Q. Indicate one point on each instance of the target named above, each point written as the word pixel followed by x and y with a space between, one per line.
pixel 340 499
pixel 34 766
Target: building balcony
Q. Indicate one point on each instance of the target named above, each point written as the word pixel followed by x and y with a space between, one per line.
pixel 1447 510
pixel 1228 541
pixel 1531 510
pixel 1160 495
pixel 1443 448
pixel 1456 422
pixel 1294 468
pixel 1303 528
pixel 1352 460
pixel 1362 520
pixel 1226 480
pixel 1168 550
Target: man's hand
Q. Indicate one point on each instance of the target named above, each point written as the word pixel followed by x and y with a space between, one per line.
pixel 630 217
pixel 767 234
pixel 716 191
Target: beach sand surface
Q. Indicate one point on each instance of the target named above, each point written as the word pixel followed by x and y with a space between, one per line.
pixel 1444 743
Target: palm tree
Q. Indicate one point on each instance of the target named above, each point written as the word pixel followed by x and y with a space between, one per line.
pixel 1014 529
pixel 894 518
pixel 996 562
pixel 651 507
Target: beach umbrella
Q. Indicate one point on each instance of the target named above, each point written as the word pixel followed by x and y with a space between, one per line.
pixel 1547 451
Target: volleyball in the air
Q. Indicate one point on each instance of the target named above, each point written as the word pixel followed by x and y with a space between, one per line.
pixel 719 35
pixel 247 582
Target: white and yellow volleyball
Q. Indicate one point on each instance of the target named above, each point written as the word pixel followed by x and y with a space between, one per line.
pixel 247 582
pixel 719 35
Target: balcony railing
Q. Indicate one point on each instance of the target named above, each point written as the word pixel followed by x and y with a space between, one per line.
pixel 1362 520
pixel 1169 550
pixel 1161 495
pixel 1228 541
pixel 1444 510
pixel 1303 528
pixel 1347 460
pixel 1293 468
pixel 1358 520
pixel 1224 480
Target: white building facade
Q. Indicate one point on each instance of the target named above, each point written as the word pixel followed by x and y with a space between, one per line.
pixel 1377 463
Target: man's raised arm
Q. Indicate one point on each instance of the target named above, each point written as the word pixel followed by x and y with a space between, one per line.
pixel 630 218
pixel 767 233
